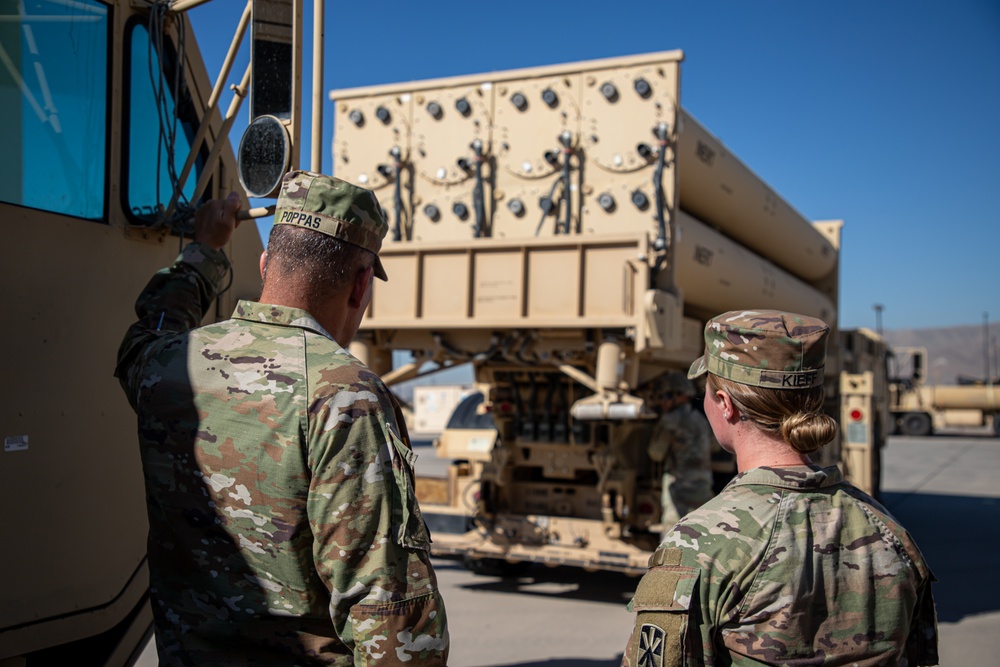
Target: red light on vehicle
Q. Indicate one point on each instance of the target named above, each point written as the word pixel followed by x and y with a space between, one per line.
pixel 856 415
pixel 646 508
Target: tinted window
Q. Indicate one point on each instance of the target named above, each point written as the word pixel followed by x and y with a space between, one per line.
pixel 53 105
pixel 158 144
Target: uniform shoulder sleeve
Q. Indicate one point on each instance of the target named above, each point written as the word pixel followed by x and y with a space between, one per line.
pixel 371 547
pixel 670 628
pixel 175 300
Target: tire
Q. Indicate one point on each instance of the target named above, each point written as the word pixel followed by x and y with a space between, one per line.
pixel 495 567
pixel 466 416
pixel 996 424
pixel 915 423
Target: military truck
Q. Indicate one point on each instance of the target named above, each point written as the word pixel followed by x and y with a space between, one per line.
pixel 567 230
pixel 920 409
pixel 112 133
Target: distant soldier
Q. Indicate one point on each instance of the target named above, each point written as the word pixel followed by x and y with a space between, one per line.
pixel 790 564
pixel 680 443
pixel 283 526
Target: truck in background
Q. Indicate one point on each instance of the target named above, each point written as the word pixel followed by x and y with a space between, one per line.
pixel 567 231
pixel 919 408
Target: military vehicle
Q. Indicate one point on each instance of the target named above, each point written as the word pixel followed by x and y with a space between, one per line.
pixel 112 132
pixel 921 409
pixel 567 230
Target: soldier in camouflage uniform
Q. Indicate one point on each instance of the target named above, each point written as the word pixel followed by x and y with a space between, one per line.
pixel 283 524
pixel 790 564
pixel 680 443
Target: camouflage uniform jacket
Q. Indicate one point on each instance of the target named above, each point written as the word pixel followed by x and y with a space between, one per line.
pixel 283 525
pixel 680 440
pixel 788 566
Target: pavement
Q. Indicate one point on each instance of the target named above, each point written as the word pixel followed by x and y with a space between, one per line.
pixel 946 490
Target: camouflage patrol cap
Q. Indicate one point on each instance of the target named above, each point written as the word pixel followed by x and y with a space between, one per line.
pixel 334 207
pixel 764 348
pixel 674 382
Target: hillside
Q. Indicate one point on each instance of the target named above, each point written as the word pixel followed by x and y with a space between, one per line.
pixel 951 351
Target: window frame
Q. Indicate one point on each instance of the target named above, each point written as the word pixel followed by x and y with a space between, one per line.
pixel 126 111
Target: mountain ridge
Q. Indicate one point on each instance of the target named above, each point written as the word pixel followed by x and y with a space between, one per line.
pixel 951 351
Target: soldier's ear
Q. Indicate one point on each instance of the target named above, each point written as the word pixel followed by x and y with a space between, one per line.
pixel 362 283
pixel 263 264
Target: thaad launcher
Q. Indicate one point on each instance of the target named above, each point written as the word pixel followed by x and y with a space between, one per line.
pixel 566 230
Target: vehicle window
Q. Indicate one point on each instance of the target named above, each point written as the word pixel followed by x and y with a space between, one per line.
pixel 158 139
pixel 53 105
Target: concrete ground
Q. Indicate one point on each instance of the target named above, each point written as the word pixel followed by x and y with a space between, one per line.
pixel 946 491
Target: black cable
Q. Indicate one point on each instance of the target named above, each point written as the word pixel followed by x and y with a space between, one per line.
pixel 545 214
pixel 397 198
pixel 477 192
pixel 661 234
pixel 563 226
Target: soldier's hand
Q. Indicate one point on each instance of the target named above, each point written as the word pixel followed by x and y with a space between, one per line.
pixel 215 221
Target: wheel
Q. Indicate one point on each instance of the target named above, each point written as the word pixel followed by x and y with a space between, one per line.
pixel 495 567
pixel 466 416
pixel 996 424
pixel 915 423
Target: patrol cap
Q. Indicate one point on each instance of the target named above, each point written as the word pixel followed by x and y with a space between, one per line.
pixel 674 382
pixel 764 348
pixel 333 207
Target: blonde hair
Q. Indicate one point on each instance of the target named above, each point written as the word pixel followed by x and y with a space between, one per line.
pixel 795 414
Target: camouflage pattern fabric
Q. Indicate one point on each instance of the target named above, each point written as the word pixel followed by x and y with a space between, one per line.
pixel 789 566
pixel 764 348
pixel 333 207
pixel 283 524
pixel 680 441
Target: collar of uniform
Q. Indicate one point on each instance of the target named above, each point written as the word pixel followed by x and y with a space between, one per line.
pixel 280 315
pixel 792 477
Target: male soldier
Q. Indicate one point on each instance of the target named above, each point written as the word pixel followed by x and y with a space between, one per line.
pixel 283 525
pixel 680 442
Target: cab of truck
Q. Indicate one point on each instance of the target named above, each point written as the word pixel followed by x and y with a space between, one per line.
pixel 100 106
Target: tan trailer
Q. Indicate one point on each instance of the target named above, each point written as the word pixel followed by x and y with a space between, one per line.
pixel 567 230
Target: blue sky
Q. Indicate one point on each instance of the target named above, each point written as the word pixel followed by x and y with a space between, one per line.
pixel 883 114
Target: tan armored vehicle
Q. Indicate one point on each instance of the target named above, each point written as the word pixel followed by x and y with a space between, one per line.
pixel 567 230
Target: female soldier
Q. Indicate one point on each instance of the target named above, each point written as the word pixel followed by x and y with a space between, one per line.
pixel 790 564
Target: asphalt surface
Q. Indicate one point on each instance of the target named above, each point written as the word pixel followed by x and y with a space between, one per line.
pixel 944 489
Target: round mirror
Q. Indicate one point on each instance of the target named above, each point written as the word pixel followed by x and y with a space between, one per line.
pixel 265 151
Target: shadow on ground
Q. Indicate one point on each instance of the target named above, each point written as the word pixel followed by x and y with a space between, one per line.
pixel 560 582
pixel 960 539
pixel 566 662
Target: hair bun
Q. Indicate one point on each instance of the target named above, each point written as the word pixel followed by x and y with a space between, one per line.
pixel 808 431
